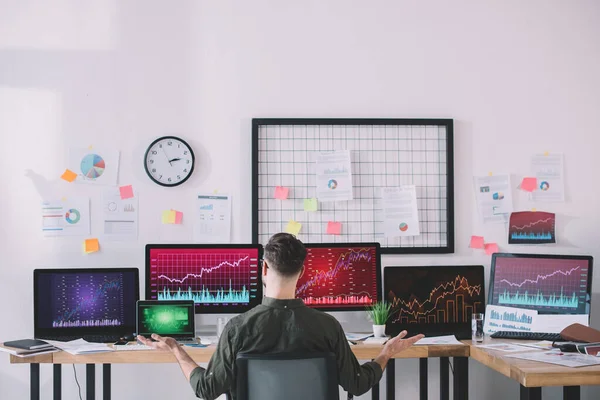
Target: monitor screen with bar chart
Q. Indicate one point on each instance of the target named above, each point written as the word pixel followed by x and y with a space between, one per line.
pixel 550 284
pixel 218 278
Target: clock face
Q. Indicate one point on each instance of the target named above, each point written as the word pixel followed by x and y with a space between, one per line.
pixel 169 161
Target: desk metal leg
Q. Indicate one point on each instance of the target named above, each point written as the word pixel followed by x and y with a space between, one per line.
pixel 444 378
pixel 571 392
pixel 34 381
pixel 106 381
pixel 461 378
pixel 390 378
pixel 533 393
pixel 423 379
pixel 90 381
pixel 57 381
pixel 375 392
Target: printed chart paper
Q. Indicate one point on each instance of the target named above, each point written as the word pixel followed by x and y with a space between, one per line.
pixel 549 171
pixel 69 217
pixel 498 318
pixel 572 360
pixel 119 216
pixel 400 213
pixel 213 218
pixel 334 176
pixel 494 197
pixel 94 166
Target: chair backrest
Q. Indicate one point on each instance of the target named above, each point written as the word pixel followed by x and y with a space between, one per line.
pixel 289 376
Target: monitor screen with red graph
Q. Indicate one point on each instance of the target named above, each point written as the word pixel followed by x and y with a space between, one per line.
pixel 218 278
pixel 434 300
pixel 341 276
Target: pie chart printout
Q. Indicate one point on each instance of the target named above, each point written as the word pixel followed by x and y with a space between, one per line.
pixel 92 166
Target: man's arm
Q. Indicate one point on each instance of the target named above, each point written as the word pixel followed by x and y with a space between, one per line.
pixel 169 344
pixel 393 346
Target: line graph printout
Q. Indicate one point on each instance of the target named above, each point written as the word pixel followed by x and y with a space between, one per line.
pixel 532 227
pixel 339 277
pixel 208 276
pixel 543 284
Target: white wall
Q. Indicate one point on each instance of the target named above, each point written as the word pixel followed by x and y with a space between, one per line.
pixel 518 77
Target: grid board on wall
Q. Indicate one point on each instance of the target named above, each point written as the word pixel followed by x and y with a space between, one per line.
pixel 384 153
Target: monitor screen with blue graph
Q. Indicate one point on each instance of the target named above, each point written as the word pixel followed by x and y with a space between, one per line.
pixel 550 284
pixel 85 301
pixel 218 278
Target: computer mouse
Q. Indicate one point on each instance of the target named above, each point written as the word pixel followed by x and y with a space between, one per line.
pixel 130 337
pixel 205 341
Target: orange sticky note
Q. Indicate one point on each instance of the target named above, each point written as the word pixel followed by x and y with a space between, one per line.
pixel 293 227
pixel 476 242
pixel 178 217
pixel 169 216
pixel 491 248
pixel 126 192
pixel 334 228
pixel 281 193
pixel 529 184
pixel 69 175
pixel 91 246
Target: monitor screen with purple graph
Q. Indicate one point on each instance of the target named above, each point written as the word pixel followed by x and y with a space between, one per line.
pixel 550 284
pixel 218 278
pixel 88 301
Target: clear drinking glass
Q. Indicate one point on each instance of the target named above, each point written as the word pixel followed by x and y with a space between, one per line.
pixel 221 322
pixel 477 327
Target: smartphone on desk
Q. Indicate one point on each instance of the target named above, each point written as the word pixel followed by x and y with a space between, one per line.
pixel 120 342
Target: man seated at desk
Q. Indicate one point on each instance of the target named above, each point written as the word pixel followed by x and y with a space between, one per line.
pixel 280 324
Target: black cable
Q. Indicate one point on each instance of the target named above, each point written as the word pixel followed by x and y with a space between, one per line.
pixel 76 381
pixel 451 367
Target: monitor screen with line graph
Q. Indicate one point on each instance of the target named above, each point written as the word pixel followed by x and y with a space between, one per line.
pixel 219 278
pixel 433 300
pixel 550 284
pixel 340 276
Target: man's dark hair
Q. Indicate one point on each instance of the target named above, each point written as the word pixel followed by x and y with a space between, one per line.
pixel 285 254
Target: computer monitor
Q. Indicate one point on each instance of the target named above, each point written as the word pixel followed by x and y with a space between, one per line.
pixel 80 302
pixel 341 276
pixel 173 318
pixel 550 284
pixel 219 278
pixel 434 300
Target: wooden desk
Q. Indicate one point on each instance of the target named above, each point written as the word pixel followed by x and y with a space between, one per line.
pixel 460 353
pixel 532 376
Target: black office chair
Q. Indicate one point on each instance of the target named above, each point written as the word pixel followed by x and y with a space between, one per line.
pixel 289 376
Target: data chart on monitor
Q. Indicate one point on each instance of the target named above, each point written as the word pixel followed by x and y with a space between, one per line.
pixel 543 284
pixel 339 277
pixel 211 277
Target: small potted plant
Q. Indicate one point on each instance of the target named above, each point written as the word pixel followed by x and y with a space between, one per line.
pixel 379 314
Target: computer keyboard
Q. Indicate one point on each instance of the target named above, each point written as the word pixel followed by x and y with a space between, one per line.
pixel 132 347
pixel 88 338
pixel 527 336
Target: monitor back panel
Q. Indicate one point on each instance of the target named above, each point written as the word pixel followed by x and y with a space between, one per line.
pixel 434 300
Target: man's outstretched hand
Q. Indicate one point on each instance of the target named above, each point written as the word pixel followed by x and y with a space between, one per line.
pixel 162 343
pixel 395 345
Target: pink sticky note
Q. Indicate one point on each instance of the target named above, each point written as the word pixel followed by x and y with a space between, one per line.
pixel 334 228
pixel 491 248
pixel 281 193
pixel 529 184
pixel 476 242
pixel 126 192
pixel 178 217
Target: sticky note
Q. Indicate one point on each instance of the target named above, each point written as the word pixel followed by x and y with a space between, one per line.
pixel 529 184
pixel 546 153
pixel 91 246
pixel 490 173
pixel 491 248
pixel 126 192
pixel 334 228
pixel 169 216
pixel 293 227
pixel 178 217
pixel 476 242
pixel 281 193
pixel 69 175
pixel 311 204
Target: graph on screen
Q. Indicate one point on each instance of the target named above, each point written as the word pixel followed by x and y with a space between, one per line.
pixel 531 227
pixel 541 283
pixel 166 319
pixel 338 277
pixel 208 276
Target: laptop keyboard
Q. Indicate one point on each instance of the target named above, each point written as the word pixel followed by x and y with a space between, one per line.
pixel 89 338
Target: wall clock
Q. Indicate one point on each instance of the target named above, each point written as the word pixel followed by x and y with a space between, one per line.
pixel 169 161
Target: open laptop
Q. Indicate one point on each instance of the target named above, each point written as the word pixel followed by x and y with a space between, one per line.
pixel 173 318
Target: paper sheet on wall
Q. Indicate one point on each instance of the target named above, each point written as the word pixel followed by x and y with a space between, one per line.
pixel 334 176
pixel 549 171
pixel 119 216
pixel 498 318
pixel 400 212
pixel 494 197
pixel 68 217
pixel 94 166
pixel 212 223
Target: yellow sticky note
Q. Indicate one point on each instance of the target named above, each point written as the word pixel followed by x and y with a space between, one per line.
pixel 90 147
pixel 311 204
pixel 293 227
pixel 169 216
pixel 69 175
pixel 546 153
pixel 490 173
pixel 215 191
pixel 91 246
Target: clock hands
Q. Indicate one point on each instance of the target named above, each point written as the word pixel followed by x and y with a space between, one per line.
pixel 175 159
pixel 164 151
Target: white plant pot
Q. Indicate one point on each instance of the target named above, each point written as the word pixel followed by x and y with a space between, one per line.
pixel 379 330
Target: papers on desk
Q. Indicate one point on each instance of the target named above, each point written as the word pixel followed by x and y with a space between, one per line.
pixel 438 340
pixel 80 346
pixel 572 360
pixel 506 347
pixel 543 345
